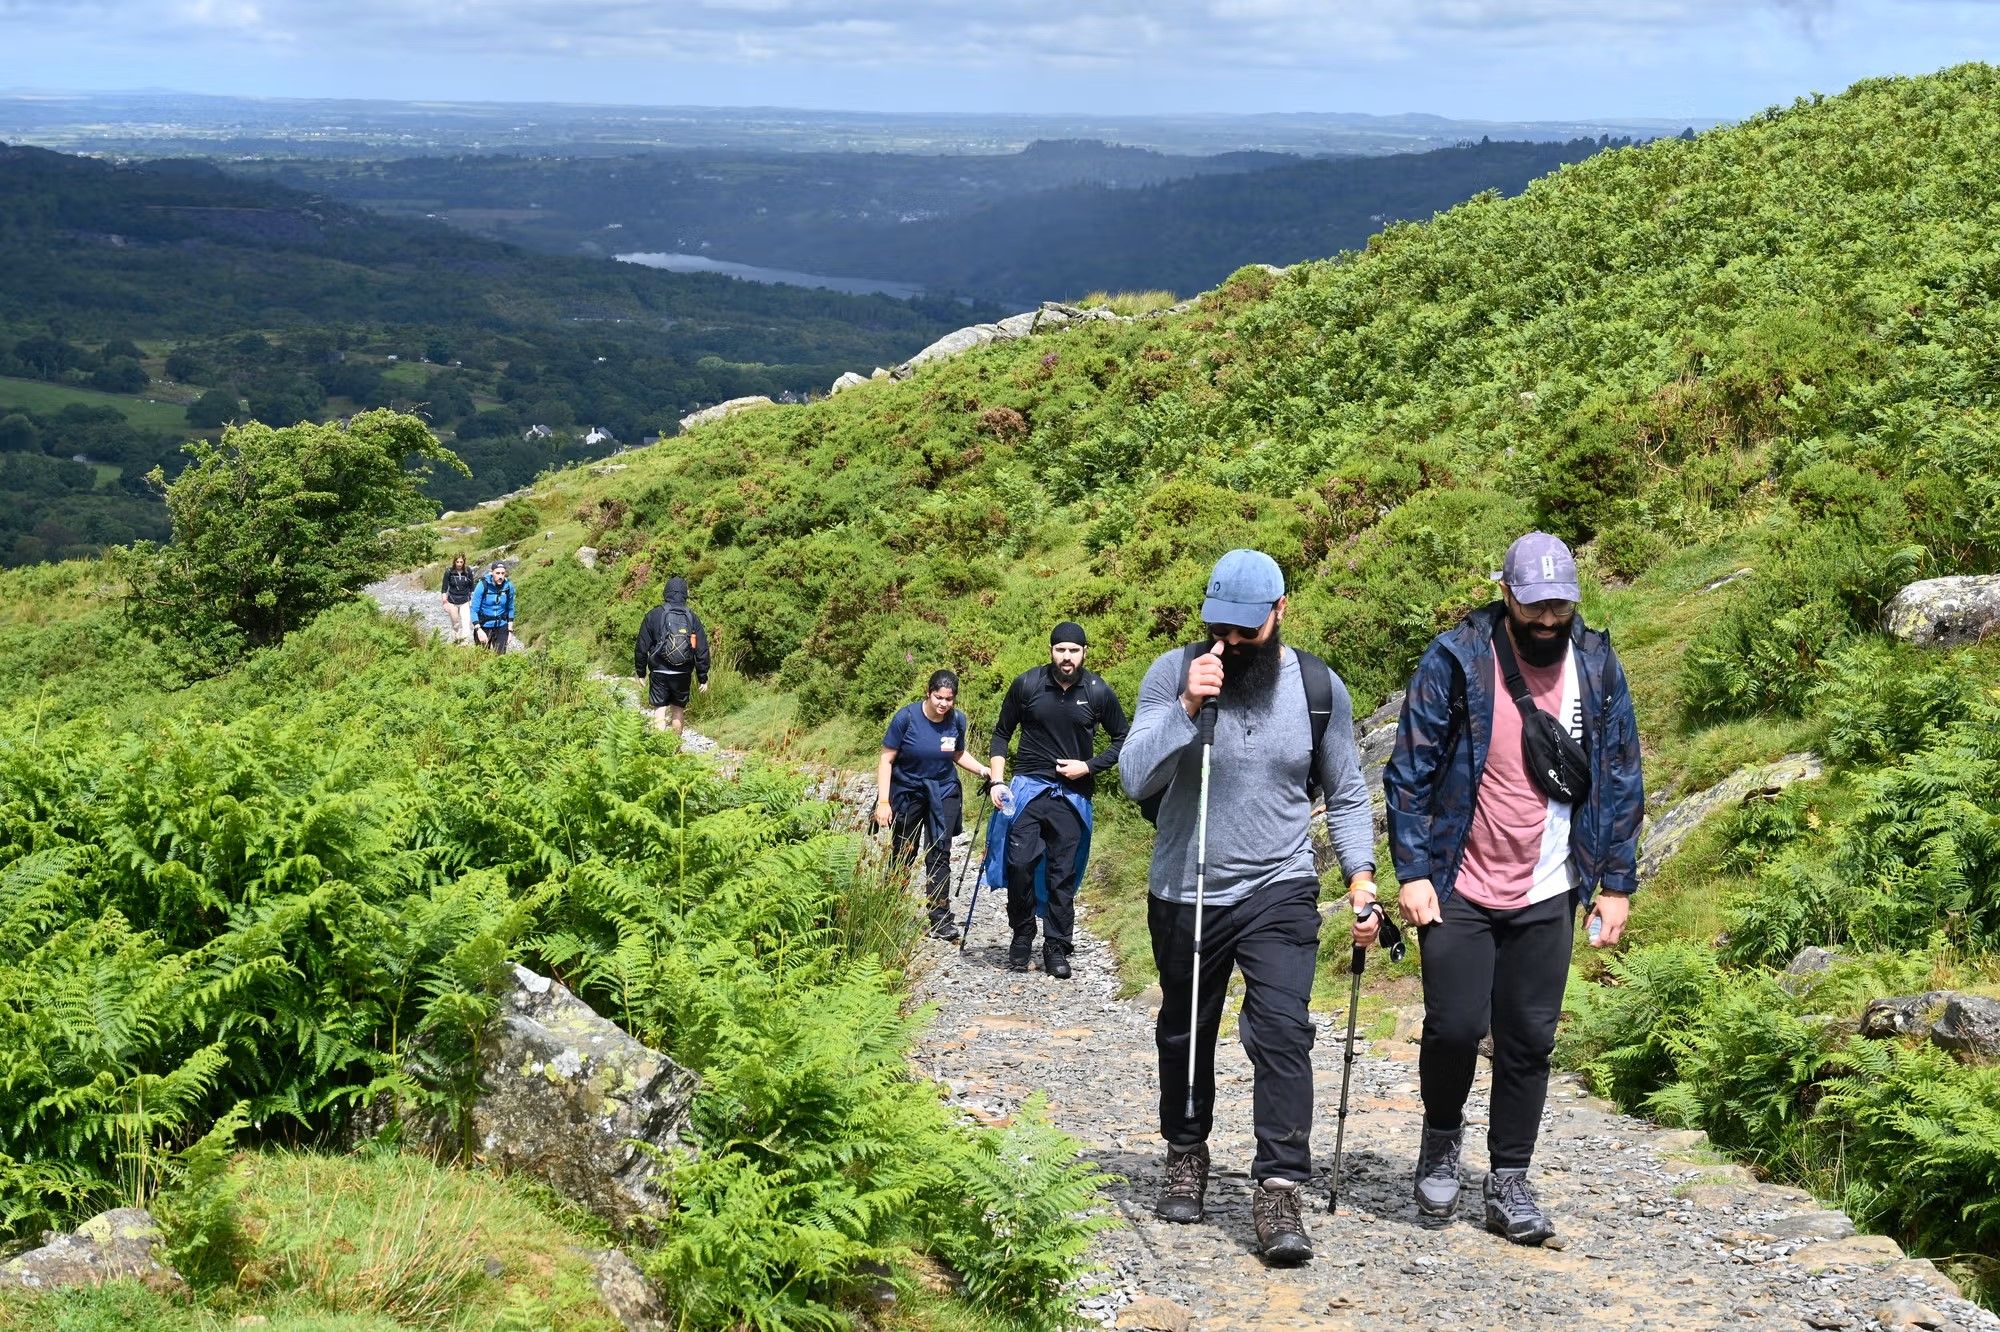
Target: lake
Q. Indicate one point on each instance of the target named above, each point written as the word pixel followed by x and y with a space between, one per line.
pixel 695 263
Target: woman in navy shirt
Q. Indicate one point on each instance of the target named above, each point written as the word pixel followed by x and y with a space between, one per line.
pixel 918 792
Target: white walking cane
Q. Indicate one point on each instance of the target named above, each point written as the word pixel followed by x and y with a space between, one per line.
pixel 1205 726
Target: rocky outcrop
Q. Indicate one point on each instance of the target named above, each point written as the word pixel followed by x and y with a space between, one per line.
pixel 1969 1028
pixel 1945 612
pixel 1806 964
pixel 722 409
pixel 587 556
pixel 845 382
pixel 634 1301
pixel 1965 1024
pixel 1667 832
pixel 1375 738
pixel 111 1246
pixel 1052 315
pixel 566 1096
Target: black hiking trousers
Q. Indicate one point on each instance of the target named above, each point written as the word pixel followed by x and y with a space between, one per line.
pixel 1504 971
pixel 1273 936
pixel 1048 829
pixel 933 817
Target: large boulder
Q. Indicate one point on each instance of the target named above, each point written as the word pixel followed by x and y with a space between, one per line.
pixel 1375 739
pixel 846 381
pixel 566 1097
pixel 1667 832
pixel 722 409
pixel 1945 612
pixel 111 1246
pixel 1901 1014
pixel 948 346
pixel 1969 1027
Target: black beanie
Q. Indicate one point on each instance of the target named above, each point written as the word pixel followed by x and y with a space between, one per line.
pixel 1068 632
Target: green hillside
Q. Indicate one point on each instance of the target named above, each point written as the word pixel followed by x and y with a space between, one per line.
pixel 1771 348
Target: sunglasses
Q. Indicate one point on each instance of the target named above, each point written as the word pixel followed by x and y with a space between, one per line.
pixel 1561 610
pixel 1227 633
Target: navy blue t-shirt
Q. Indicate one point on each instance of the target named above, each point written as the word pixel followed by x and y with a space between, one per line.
pixel 926 751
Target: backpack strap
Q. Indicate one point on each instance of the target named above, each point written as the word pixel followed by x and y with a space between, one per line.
pixel 1318 679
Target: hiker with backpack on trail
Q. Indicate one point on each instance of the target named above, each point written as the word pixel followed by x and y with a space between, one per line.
pixel 1058 709
pixel 1233 882
pixel 493 609
pixel 1514 797
pixel 455 592
pixel 671 655
pixel 917 790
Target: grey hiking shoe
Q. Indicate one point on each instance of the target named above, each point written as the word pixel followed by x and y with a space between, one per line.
pixel 1187 1185
pixel 1281 1234
pixel 1511 1209
pixel 1437 1172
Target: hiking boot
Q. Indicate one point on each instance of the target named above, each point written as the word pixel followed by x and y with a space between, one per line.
pixel 1281 1235
pixel 1187 1185
pixel 1055 961
pixel 1511 1209
pixel 1019 952
pixel 1437 1172
pixel 945 929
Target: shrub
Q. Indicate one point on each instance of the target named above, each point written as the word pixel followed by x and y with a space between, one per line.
pixel 513 521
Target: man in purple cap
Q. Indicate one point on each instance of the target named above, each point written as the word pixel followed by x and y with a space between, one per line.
pixel 1284 728
pixel 1514 798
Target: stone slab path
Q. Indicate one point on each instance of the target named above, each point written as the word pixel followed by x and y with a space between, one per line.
pixel 1650 1237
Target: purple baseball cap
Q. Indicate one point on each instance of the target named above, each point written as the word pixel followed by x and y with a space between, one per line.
pixel 1539 567
pixel 1243 588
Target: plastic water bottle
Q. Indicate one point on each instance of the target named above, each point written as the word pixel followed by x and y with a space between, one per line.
pixel 1596 929
pixel 1007 801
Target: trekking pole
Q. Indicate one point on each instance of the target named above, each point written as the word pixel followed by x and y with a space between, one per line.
pixel 1205 728
pixel 972 853
pixel 1392 939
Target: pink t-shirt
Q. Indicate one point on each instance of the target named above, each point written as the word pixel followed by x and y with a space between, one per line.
pixel 1510 861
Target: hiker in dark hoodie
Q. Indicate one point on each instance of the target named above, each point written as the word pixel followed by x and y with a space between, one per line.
pixel 671 655
pixel 1514 798
pixel 456 594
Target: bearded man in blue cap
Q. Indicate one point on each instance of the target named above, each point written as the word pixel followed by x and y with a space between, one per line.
pixel 1284 727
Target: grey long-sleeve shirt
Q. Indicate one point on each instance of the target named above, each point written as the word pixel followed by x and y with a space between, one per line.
pixel 1259 819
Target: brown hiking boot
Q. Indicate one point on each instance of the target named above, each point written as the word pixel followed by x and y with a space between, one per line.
pixel 1281 1234
pixel 1187 1184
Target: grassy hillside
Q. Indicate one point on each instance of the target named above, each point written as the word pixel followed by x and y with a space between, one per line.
pixel 1769 348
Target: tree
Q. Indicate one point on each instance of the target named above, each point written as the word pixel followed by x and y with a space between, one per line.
pixel 123 375
pixel 184 365
pixel 18 434
pixel 217 407
pixel 272 526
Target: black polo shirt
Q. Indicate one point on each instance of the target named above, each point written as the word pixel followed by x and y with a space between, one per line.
pixel 1057 723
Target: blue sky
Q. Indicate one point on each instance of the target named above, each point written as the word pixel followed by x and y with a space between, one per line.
pixel 1499 59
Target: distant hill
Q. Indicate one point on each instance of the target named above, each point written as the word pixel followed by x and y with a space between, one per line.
pixel 1183 235
pixel 173 290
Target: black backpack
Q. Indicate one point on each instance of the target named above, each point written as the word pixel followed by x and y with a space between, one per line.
pixel 1318 679
pixel 675 649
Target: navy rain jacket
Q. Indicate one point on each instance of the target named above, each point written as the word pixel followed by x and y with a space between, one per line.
pixel 1433 774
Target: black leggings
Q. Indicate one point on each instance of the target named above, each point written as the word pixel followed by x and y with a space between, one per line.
pixel 934 817
pixel 1503 970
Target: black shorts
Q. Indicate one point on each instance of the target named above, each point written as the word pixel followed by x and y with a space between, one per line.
pixel 671 689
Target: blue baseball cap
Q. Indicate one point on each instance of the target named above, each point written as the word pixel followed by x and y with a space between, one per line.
pixel 1540 567
pixel 1243 588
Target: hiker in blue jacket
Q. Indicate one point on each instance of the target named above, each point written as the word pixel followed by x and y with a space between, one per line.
pixel 1514 798
pixel 493 609
pixel 917 790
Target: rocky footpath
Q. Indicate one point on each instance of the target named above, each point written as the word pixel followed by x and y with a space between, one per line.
pixel 1653 1232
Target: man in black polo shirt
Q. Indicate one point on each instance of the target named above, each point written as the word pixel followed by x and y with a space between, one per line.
pixel 1058 709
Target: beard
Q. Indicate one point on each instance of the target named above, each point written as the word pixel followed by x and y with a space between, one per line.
pixel 1065 672
pixel 1538 645
pixel 1250 670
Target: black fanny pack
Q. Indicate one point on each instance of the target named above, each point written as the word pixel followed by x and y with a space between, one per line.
pixel 1557 763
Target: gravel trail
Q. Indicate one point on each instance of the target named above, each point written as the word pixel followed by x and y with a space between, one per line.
pixel 1651 1238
